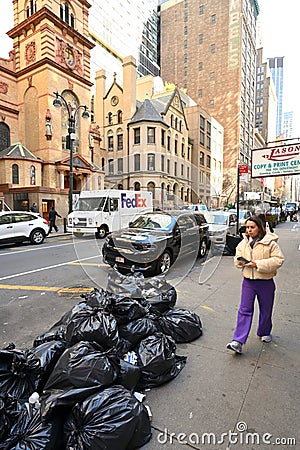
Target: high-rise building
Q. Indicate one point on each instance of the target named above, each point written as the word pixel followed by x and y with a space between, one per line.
pixel 265 100
pixel 119 29
pixel 276 68
pixel 209 48
pixel 288 123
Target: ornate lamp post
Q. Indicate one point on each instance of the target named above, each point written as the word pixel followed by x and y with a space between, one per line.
pixel 58 103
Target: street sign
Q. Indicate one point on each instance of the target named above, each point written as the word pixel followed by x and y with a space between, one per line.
pixel 275 161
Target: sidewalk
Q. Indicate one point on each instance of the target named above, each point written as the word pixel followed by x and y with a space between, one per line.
pixel 256 394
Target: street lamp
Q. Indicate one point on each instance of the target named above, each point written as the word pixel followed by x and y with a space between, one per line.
pixel 58 103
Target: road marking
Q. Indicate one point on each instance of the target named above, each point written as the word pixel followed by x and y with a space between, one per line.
pixel 40 247
pixel 41 269
pixel 30 288
pixel 207 261
pixel 78 263
pixel 207 308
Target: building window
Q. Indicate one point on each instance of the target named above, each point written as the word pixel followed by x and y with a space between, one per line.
pixel 185 43
pixel 110 143
pixel 102 163
pixel 120 141
pixel 120 116
pixel 212 75
pixel 213 19
pixel 208 142
pixel 66 15
pixel 137 163
pixel 31 8
pixel 212 48
pixel 150 135
pixel 202 123
pixel 200 93
pixel 169 143
pixel 212 103
pixel 137 136
pixel 175 169
pixel 109 118
pixel 185 30
pixel 200 66
pixel 32 175
pixel 182 170
pixel 175 146
pixel 168 166
pixel 182 150
pixel 202 137
pixel 201 10
pixel 4 136
pixel 162 163
pixel 15 174
pixel 201 159
pixel 110 167
pixel 163 138
pixel 200 38
pixel 188 173
pixel 208 161
pixel 120 165
pixel 151 161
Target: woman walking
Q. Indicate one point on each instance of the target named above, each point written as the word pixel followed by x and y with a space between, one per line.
pixel 259 256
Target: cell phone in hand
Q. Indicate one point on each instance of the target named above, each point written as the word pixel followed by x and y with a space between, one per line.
pixel 241 258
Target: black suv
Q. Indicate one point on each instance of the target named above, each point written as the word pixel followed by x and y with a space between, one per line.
pixel 155 240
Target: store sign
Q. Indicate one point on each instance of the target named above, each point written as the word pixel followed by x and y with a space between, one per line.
pixel 275 161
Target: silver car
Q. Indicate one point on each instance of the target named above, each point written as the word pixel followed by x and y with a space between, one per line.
pixel 221 224
pixel 19 226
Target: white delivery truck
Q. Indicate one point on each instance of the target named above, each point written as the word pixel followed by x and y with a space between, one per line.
pixel 101 212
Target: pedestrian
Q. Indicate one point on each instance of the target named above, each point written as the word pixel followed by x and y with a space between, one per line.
pixel 262 257
pixel 33 207
pixel 52 217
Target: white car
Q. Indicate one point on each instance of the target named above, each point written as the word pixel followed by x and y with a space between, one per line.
pixel 19 226
pixel 244 215
pixel 221 223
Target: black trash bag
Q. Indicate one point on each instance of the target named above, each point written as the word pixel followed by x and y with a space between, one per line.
pixel 59 402
pixel 126 309
pixel 10 410
pixel 93 326
pixel 20 373
pixel 133 332
pixel 129 285
pixel 181 324
pixel 232 242
pixel 160 294
pixel 111 419
pixel 54 334
pixel 129 375
pixel 31 432
pixel 48 354
pixel 157 360
pixel 83 365
pixel 97 299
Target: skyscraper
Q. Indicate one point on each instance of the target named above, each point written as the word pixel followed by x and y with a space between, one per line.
pixel 276 67
pixel 120 29
pixel 209 48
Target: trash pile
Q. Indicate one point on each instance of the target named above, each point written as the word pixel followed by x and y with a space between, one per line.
pixel 82 383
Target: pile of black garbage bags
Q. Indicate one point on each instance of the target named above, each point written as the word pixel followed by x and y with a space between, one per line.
pixel 81 384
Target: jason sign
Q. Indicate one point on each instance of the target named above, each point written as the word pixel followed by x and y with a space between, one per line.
pixel 276 161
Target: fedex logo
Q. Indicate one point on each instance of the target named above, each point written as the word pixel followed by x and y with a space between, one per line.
pixel 136 202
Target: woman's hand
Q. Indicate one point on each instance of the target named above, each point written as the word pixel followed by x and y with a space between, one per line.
pixel 251 264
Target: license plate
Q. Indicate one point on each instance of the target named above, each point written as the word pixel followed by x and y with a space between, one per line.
pixel 78 230
pixel 119 259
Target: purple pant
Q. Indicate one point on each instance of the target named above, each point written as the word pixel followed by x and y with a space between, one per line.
pixel 265 292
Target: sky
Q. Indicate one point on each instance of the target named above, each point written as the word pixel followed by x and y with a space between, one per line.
pixel 279 24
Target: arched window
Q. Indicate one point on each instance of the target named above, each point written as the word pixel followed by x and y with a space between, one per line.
pixel 15 174
pixel 109 118
pixel 66 14
pixel 31 8
pixel 176 122
pixel 4 136
pixel 172 120
pixel 32 175
pixel 120 116
pixel 151 188
pixel 137 186
pixel 110 140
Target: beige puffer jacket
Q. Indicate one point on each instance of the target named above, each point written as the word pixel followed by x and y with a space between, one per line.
pixel 266 253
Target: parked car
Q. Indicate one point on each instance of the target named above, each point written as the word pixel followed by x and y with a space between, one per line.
pixel 19 226
pixel 222 223
pixel 155 240
pixel 244 215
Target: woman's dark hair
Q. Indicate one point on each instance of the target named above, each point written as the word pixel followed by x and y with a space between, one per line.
pixel 260 224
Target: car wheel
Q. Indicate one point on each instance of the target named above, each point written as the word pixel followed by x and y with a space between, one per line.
pixel 101 233
pixel 78 234
pixel 164 262
pixel 37 237
pixel 203 248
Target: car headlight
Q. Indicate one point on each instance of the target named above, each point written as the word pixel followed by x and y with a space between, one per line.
pixel 142 246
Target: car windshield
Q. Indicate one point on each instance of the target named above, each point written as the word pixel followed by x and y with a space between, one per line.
pixel 91 203
pixel 158 221
pixel 219 219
